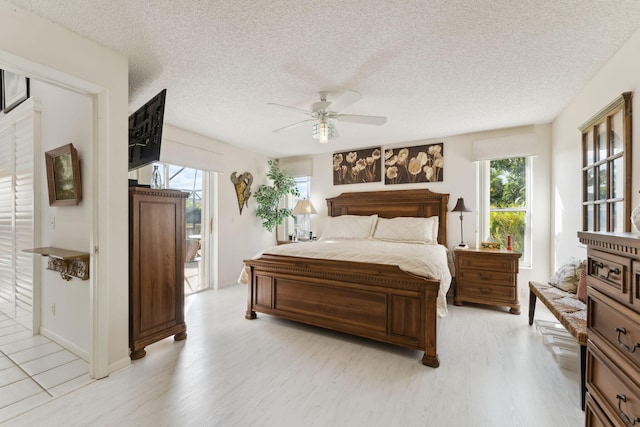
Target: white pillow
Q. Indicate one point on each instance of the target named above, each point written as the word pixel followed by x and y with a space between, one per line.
pixel 349 227
pixel 408 230
pixel 567 276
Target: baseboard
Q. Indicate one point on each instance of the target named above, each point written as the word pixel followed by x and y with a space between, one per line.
pixel 227 284
pixel 120 364
pixel 73 348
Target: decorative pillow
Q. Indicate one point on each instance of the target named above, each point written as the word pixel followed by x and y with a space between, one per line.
pixel 408 230
pixel 582 286
pixel 568 276
pixel 349 227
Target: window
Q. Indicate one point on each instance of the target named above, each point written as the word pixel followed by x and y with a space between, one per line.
pixel 296 225
pixel 606 168
pixel 506 207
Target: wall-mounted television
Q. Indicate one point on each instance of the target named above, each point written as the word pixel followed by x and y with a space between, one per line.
pixel 145 132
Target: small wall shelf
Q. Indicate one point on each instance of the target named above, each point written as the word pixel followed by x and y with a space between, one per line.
pixel 67 263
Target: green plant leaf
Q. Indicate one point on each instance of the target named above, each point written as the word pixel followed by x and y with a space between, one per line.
pixel 269 197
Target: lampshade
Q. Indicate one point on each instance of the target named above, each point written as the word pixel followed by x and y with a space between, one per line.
pixel 303 207
pixel 323 131
pixel 460 207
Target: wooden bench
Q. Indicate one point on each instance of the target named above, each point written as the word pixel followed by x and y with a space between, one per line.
pixel 571 312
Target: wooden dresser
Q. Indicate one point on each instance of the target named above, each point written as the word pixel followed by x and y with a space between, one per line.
pixel 156 267
pixel 487 276
pixel 613 324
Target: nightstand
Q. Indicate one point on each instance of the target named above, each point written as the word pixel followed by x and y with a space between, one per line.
pixel 487 276
pixel 286 242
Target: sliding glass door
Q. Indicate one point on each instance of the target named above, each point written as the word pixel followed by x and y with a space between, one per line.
pixel 197 244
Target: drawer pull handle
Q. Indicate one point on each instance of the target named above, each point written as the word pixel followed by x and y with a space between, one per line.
pixel 623 398
pixel 609 272
pixel 486 276
pixel 623 331
pixel 485 290
pixel 614 271
pixel 598 265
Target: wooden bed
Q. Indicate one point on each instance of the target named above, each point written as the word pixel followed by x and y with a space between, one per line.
pixel 375 301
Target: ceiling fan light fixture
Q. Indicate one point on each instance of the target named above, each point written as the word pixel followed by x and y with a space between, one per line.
pixel 323 131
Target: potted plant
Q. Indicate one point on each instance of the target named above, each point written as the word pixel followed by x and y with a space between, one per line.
pixel 269 197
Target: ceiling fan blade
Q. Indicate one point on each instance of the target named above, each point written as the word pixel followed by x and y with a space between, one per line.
pixel 347 98
pixel 288 108
pixel 365 120
pixel 293 125
pixel 320 105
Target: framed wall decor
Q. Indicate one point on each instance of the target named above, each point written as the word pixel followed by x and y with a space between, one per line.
pixel 15 90
pixel 359 166
pixel 422 163
pixel 63 176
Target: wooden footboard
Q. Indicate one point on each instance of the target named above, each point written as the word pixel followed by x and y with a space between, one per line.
pixel 374 301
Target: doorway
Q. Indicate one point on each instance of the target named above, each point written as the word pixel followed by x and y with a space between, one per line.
pixel 198 247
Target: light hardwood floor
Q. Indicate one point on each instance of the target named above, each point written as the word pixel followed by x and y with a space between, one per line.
pixel 495 371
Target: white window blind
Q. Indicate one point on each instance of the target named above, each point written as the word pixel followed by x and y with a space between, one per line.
pixel 505 147
pixel 17 164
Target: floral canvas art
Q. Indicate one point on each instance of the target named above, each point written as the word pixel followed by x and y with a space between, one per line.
pixel 354 167
pixel 423 163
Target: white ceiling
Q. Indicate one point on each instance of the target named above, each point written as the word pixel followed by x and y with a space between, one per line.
pixel 433 67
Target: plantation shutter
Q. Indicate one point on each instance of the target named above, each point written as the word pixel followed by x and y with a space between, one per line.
pixel 7 258
pixel 17 189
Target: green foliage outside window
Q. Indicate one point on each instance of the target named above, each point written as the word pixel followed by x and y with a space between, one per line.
pixel 508 198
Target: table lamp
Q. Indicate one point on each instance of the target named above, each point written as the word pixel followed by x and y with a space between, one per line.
pixel 460 207
pixel 304 207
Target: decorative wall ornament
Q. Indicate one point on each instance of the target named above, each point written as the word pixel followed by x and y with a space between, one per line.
pixel 243 188
pixel 67 262
pixel 422 163
pixel 355 167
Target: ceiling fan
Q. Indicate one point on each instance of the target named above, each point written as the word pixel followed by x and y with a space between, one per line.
pixel 323 111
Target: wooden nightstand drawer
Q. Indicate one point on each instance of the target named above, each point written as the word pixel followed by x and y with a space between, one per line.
pixel 609 273
pixel 489 261
pixel 491 277
pixel 484 292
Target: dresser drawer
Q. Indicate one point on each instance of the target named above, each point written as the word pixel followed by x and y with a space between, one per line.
pixel 615 324
pixel 593 414
pixel 618 396
pixel 609 273
pixel 480 291
pixel 490 277
pixel 490 262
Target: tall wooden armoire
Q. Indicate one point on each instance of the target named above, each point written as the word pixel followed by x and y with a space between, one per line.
pixel 156 267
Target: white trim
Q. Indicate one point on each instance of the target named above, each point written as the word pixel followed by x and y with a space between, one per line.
pixel 484 183
pixel 83 354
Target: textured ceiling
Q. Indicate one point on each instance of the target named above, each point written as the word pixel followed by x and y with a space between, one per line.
pixel 433 68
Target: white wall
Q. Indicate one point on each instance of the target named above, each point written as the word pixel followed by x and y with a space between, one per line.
pixel 45 51
pixel 66 118
pixel 460 180
pixel 620 74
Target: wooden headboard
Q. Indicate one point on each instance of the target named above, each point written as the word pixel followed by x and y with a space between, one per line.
pixel 391 204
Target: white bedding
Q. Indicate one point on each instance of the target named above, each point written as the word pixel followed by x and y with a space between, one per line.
pixel 429 261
